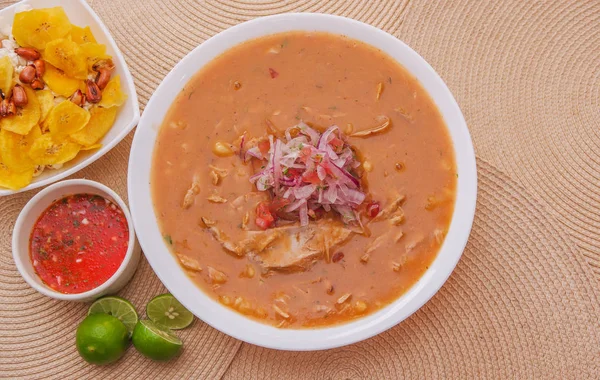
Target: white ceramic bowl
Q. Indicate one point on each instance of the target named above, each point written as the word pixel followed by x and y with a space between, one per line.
pixel 38 204
pixel 81 14
pixel 232 323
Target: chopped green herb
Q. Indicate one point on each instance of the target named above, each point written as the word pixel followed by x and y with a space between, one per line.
pixel 285 171
pixel 390 80
pixel 456 175
pixel 95 198
pixel 168 239
pixel 319 86
pixel 284 43
pixel 76 223
pixel 333 108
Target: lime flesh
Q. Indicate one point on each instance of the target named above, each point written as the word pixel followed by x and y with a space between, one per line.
pixel 166 311
pixel 117 307
pixel 154 341
pixel 101 339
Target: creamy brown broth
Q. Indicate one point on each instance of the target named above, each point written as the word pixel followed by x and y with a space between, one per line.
pixel 323 80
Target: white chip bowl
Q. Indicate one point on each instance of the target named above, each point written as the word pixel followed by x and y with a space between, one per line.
pixel 30 214
pixel 212 312
pixel 81 14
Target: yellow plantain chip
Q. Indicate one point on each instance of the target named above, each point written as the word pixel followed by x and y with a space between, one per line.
pixel 38 27
pixel 61 83
pixel 92 147
pixel 67 118
pixel 67 56
pixel 112 95
pixel 26 117
pixel 81 35
pixel 14 149
pixel 14 180
pixel 46 100
pixel 93 53
pixel 6 75
pixel 101 121
pixel 52 150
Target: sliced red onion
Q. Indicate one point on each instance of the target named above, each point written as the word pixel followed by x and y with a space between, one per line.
pixel 321 172
pixel 331 194
pixel 308 131
pixel 294 205
pixel 304 215
pixel 351 196
pixel 341 174
pixel 253 152
pixel 304 192
pixel 348 215
pixel 276 163
pixel 324 139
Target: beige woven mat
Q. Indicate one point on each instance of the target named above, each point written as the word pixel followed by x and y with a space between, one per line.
pixel 524 301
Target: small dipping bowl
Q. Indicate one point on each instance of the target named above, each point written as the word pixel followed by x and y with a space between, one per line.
pixel 29 216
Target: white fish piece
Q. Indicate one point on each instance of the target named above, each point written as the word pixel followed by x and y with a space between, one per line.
pixel 297 248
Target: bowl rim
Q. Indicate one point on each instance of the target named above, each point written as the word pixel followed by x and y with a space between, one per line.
pixel 131 98
pixel 22 259
pixel 248 330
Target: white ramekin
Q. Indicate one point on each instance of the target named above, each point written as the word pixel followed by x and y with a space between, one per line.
pixel 38 204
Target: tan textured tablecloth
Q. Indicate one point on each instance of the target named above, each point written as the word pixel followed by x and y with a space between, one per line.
pixel 524 299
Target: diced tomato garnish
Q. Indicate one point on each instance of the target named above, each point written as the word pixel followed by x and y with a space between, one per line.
pixel 277 204
pixel 311 177
pixel 372 209
pixel 274 74
pixel 336 144
pixel 264 146
pixel 264 218
pixel 293 173
pixel 305 154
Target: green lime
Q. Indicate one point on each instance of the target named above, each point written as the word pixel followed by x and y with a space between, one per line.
pixel 166 311
pixel 101 339
pixel 117 307
pixel 154 341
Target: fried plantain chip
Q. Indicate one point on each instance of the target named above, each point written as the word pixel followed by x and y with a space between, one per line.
pixel 26 117
pixel 52 150
pixel 93 53
pixel 46 100
pixel 112 95
pixel 101 121
pixel 92 147
pixel 61 83
pixel 67 56
pixel 37 27
pixel 14 149
pixel 14 180
pixel 6 75
pixel 81 35
pixel 67 118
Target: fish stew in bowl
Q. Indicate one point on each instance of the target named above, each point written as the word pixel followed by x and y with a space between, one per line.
pixel 304 179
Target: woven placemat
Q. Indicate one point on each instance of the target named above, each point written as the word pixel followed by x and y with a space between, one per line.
pixel 523 301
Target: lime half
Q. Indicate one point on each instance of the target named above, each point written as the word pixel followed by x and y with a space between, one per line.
pixel 154 341
pixel 117 307
pixel 166 311
pixel 101 339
